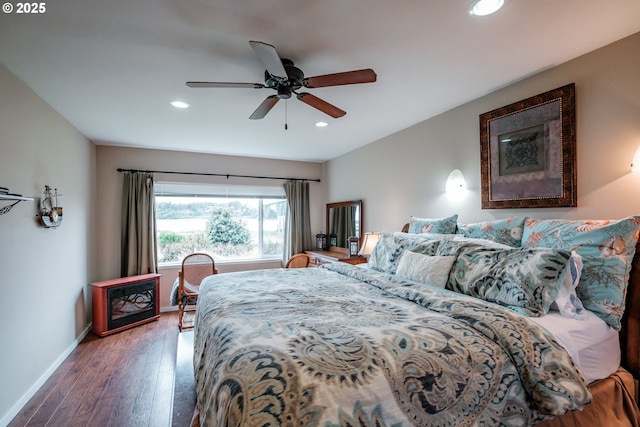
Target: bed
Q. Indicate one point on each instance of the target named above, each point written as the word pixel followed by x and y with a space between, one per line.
pixel 386 344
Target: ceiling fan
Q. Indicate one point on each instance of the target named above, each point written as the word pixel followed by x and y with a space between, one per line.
pixel 282 76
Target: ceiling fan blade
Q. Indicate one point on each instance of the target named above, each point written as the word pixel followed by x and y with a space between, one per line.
pixel 344 78
pixel 265 107
pixel 270 58
pixel 225 84
pixel 321 105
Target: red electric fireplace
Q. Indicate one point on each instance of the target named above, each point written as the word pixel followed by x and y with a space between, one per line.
pixel 120 304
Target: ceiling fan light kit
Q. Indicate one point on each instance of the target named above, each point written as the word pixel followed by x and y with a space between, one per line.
pixel 286 79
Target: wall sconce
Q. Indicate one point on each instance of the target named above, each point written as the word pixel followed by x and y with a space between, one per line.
pixel 368 243
pixel 455 181
pixel 50 212
pixel 485 7
pixel 635 163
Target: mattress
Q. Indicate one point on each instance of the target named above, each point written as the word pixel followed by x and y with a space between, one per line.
pixel 593 345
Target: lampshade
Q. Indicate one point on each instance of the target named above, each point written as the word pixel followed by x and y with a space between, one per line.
pixel 368 243
pixel 635 164
pixel 455 181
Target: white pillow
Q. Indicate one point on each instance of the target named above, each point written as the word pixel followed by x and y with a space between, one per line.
pixel 432 270
pixel 567 302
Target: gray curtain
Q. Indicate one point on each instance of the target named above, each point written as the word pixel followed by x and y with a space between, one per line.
pixel 298 224
pixel 138 237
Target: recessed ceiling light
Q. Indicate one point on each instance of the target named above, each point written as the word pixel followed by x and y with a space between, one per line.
pixel 485 7
pixel 321 124
pixel 179 104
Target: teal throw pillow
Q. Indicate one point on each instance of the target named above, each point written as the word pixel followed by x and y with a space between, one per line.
pixel 433 225
pixel 525 280
pixel 506 231
pixel 390 247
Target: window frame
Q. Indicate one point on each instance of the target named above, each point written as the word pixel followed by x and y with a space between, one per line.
pixel 225 191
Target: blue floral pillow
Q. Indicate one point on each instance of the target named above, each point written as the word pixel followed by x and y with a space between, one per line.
pixel 525 280
pixel 606 247
pixel 429 225
pixel 506 231
pixel 390 247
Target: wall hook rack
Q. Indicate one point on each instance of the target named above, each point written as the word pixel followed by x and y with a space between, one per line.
pixel 14 199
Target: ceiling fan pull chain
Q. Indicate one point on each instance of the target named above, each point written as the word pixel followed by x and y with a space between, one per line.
pixel 286 104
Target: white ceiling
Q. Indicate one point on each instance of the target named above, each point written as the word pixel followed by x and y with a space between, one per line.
pixel 111 67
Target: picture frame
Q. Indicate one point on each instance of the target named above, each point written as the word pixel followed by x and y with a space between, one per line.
pixel 528 152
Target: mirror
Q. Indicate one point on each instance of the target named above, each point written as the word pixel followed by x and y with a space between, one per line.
pixel 344 219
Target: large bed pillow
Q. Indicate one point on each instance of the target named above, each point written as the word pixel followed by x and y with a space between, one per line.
pixel 390 247
pixel 606 247
pixel 433 225
pixel 432 270
pixel 506 231
pixel 525 280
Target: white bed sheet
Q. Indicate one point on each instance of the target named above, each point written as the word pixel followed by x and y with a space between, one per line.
pixel 593 345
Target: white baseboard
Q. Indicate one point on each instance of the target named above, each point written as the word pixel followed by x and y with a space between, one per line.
pixel 168 309
pixel 15 409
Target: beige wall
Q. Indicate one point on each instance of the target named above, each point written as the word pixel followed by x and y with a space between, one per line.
pixel 404 174
pixel 110 158
pixel 45 272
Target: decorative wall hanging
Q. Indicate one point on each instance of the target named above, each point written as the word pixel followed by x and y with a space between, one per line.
pixel 528 152
pixel 50 211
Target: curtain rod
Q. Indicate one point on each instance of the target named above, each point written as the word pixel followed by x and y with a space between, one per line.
pixel 227 175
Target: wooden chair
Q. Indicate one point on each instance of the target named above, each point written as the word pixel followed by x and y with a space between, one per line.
pixel 298 261
pixel 195 267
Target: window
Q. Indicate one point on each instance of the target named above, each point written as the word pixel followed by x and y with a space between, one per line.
pixel 226 221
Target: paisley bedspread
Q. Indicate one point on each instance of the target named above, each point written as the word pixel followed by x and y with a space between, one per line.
pixel 347 346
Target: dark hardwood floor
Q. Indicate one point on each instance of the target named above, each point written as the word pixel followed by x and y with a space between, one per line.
pixel 125 379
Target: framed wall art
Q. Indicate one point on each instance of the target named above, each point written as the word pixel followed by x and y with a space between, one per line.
pixel 528 152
